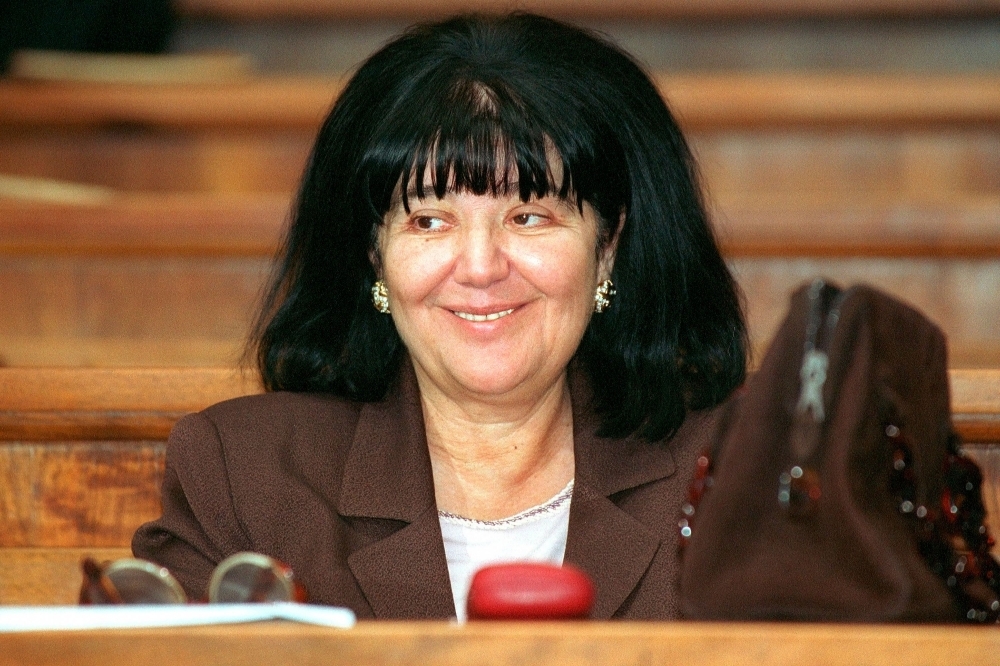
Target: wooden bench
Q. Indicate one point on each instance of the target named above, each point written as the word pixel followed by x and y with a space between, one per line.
pixel 173 278
pixel 842 133
pixel 702 101
pixel 81 459
pixel 250 225
pixel 81 454
pixel 888 179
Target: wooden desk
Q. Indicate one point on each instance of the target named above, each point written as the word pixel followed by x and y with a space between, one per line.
pixel 481 644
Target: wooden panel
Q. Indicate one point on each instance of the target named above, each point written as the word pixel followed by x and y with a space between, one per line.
pixel 187 68
pixel 47 575
pixel 783 225
pixel 138 297
pixel 863 162
pixel 75 310
pixel 153 159
pixel 78 494
pixel 188 351
pixel 701 101
pixel 959 295
pixel 841 168
pixel 489 643
pixel 126 392
pixel 659 9
pixel 850 167
pixel 812 225
pixel 44 404
pixel 147 224
pixel 793 100
pixel 60 483
pixel 121 390
pixel 259 103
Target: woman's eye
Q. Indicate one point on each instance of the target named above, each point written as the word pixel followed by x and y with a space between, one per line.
pixel 428 223
pixel 529 220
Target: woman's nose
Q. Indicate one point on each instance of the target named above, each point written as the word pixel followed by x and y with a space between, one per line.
pixel 482 258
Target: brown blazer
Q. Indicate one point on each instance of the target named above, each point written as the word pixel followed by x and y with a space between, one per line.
pixel 343 493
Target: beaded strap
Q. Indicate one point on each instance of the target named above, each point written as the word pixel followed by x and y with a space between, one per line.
pixel 952 537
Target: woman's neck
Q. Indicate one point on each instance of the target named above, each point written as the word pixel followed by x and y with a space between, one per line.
pixel 493 460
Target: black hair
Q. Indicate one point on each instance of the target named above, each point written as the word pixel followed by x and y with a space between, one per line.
pixel 476 101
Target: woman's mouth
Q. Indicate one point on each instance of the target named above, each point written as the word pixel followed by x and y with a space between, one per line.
pixel 468 316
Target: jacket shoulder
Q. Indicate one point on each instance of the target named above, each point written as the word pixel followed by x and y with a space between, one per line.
pixel 266 412
pixel 271 430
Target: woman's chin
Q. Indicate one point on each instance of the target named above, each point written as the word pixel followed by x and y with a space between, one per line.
pixel 487 384
pixel 498 382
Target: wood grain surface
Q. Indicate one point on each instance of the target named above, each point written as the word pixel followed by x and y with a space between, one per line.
pixel 701 101
pixel 52 404
pixel 538 644
pixel 143 392
pixel 144 224
pixel 174 278
pixel 227 224
pixel 47 575
pixel 78 493
pixel 120 390
pixel 258 103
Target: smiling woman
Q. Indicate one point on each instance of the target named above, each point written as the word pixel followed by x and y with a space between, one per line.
pixel 498 330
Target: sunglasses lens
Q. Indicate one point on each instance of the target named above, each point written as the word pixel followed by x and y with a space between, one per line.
pixel 141 582
pixel 251 578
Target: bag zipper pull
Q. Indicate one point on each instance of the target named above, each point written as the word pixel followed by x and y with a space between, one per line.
pixel 813 377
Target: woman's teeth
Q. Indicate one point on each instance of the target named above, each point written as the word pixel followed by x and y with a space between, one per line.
pixel 486 317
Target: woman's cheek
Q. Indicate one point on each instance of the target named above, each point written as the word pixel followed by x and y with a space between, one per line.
pixel 558 268
pixel 417 266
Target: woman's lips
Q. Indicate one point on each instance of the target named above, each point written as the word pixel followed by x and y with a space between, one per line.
pixel 492 316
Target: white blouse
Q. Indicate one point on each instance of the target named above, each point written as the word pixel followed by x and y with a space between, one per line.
pixel 537 534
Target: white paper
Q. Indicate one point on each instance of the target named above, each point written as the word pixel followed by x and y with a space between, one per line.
pixel 60 618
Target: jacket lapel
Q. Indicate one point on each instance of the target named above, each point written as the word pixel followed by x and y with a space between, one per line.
pixel 610 545
pixel 405 575
pixel 388 481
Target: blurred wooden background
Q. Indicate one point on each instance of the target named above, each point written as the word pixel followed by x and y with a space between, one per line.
pixel 860 141
pixel 141 201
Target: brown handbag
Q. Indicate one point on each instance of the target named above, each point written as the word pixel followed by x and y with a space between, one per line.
pixel 835 490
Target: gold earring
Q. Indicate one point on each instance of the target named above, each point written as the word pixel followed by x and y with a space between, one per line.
pixel 380 297
pixel 602 297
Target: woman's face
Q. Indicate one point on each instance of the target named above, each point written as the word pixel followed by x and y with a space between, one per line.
pixel 491 295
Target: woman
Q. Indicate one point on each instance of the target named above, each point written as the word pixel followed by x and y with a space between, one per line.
pixel 497 332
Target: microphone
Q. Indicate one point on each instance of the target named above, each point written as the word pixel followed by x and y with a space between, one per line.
pixel 530 591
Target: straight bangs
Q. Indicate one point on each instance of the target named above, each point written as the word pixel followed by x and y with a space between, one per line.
pixel 466 135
